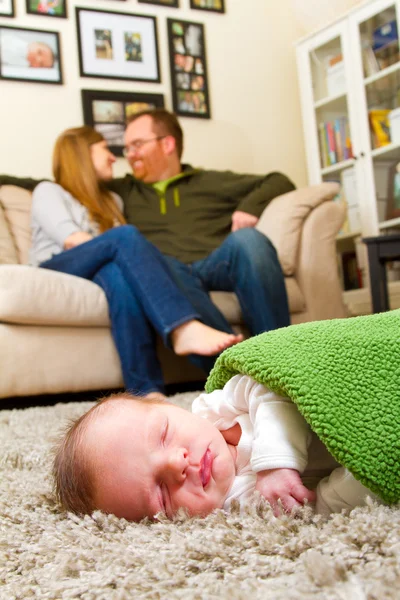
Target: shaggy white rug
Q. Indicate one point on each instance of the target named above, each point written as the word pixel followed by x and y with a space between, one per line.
pixel 47 554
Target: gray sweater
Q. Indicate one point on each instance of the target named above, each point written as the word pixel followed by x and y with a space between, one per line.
pixel 55 216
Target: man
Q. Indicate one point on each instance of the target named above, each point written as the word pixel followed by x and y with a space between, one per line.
pixel 204 223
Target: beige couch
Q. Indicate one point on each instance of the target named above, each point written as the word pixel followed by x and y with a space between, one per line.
pixel 54 328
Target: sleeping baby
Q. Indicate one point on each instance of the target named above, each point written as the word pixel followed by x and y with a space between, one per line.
pixel 337 380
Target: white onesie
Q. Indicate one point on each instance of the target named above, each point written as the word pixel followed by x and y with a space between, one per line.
pixel 274 435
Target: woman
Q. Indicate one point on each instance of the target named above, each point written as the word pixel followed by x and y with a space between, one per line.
pixel 78 228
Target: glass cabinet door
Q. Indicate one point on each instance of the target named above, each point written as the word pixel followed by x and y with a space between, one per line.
pixel 376 29
pixel 330 73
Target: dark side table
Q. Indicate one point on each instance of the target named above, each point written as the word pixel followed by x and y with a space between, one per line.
pixel 381 249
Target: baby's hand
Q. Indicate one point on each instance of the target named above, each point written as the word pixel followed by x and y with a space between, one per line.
pixel 283 484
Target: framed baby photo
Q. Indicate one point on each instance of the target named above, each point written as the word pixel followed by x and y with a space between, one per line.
pixel 47 8
pixel 108 112
pixel 117 45
pixel 7 8
pixel 188 66
pixel 174 3
pixel 30 55
pixel 217 6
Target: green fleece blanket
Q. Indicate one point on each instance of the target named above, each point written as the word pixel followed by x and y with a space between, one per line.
pixel 344 376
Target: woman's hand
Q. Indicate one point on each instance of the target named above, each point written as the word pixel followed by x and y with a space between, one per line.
pixel 77 238
pixel 284 485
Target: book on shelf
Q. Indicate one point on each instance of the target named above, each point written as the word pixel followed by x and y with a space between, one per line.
pixel 384 35
pixel 385 44
pixel 370 62
pixel 380 127
pixel 334 141
pixel 333 60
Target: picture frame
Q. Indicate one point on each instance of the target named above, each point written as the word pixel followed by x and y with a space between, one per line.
pixel 47 8
pixel 188 68
pixel 169 3
pixel 117 45
pixel 107 112
pixel 217 6
pixel 393 195
pixel 7 8
pixel 32 55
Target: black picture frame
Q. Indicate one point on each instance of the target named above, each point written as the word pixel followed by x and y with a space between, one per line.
pixel 7 8
pixel 167 3
pixel 16 66
pixel 117 45
pixel 110 120
pixel 217 6
pixel 59 11
pixel 188 68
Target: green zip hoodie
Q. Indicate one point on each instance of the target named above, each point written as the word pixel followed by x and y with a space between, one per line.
pixel 190 215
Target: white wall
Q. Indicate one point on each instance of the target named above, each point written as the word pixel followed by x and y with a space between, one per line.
pixel 256 122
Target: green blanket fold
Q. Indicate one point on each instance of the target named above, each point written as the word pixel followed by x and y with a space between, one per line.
pixel 344 376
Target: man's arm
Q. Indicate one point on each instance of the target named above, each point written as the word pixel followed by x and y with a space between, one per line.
pixel 271 186
pixel 253 203
pixel 24 182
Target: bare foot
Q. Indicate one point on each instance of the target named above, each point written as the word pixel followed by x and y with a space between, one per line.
pixel 156 396
pixel 195 337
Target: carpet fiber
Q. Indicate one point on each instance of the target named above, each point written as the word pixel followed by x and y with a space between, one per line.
pixel 47 554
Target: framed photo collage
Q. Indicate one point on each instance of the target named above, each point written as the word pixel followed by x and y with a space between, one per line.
pixel 114 45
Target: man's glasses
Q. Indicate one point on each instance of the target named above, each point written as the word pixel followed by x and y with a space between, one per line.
pixel 137 144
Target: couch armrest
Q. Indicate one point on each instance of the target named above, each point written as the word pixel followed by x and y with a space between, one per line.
pixel 317 270
pixel 282 220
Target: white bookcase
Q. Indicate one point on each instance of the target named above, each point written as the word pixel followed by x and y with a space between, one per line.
pixel 349 76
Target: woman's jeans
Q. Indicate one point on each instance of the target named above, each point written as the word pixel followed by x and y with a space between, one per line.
pixel 142 298
pixel 245 263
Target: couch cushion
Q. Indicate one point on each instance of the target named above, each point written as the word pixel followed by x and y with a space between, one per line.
pixel 8 251
pixel 283 218
pixel 16 203
pixel 35 296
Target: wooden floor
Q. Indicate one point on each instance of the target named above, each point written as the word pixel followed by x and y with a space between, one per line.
pixel 50 399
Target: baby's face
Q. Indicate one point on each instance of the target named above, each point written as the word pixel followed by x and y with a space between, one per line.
pixel 152 458
pixel 40 56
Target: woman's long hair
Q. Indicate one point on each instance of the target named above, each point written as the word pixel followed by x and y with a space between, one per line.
pixel 73 169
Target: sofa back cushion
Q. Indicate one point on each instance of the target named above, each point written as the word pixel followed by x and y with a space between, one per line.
pixel 16 204
pixel 282 220
pixel 8 250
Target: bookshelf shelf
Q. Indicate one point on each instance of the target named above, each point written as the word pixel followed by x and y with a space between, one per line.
pixel 389 224
pixel 381 74
pixel 386 152
pixel 349 78
pixel 331 101
pixel 336 168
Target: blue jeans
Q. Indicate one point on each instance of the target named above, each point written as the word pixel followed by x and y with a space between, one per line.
pixel 245 263
pixel 142 298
